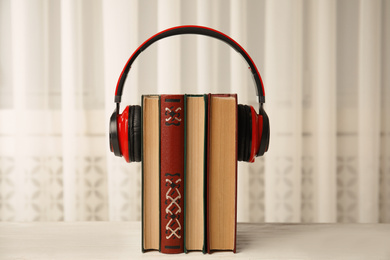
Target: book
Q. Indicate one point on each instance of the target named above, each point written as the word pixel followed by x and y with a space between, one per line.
pixel 189 173
pixel 150 172
pixel 222 172
pixel 172 119
pixel 195 107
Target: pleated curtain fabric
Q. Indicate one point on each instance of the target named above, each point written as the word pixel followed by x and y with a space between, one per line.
pixel 325 66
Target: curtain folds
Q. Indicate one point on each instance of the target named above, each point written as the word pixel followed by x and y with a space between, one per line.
pixel 325 69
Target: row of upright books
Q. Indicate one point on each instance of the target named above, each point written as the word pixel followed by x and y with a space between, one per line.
pixel 189 172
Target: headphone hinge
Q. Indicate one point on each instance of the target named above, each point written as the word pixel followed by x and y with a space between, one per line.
pixel 261 100
pixel 260 107
pixel 118 98
pixel 117 108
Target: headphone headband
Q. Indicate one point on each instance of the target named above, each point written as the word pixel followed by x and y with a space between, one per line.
pixel 191 29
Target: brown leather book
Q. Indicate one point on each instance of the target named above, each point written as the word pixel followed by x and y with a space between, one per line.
pixel 172 173
pixel 222 173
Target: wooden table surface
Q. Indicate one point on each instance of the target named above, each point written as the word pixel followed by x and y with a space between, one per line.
pixel 122 240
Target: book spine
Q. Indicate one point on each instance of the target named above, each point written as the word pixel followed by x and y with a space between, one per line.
pixel 142 178
pixel 185 175
pixel 172 173
pixel 205 168
pixel 186 200
pixel 207 175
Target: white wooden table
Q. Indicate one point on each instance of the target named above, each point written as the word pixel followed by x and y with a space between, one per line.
pixel 122 240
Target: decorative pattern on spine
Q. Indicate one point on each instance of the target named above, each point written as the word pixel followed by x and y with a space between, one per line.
pixel 173 211
pixel 172 172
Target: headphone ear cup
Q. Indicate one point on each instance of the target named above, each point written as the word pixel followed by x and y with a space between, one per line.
pixel 265 136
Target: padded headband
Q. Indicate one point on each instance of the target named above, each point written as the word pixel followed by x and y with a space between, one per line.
pixel 191 29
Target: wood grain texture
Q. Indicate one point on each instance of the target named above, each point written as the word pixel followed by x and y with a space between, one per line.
pixel 122 240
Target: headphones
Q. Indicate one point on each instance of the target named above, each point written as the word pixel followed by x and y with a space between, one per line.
pixel 253 128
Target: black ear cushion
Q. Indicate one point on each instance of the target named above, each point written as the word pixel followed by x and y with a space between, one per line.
pixel 265 136
pixel 137 133
pixel 248 133
pixel 244 133
pixel 267 132
pixel 241 132
pixel 114 141
pixel 131 133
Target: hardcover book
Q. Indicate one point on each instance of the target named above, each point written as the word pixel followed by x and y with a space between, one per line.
pixel 150 172
pixel 189 173
pixel 172 118
pixel 195 107
pixel 222 172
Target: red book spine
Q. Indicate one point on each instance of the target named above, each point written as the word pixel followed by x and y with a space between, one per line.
pixel 172 173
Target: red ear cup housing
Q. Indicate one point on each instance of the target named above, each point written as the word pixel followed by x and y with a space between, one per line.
pixel 125 134
pixel 257 128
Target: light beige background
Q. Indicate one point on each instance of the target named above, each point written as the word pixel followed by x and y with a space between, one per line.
pixel 325 66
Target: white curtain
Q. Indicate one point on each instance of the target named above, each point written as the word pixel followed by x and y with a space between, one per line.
pixel 325 66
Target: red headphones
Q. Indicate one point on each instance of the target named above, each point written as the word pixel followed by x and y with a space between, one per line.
pixel 253 128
